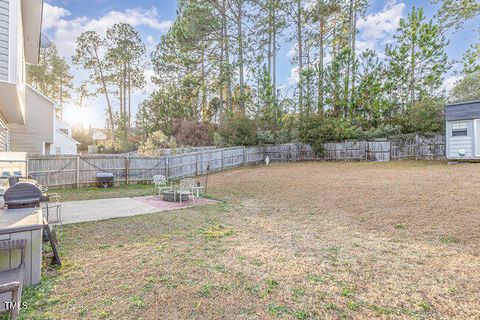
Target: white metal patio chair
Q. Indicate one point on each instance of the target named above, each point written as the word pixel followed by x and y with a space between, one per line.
pixel 53 202
pixel 187 186
pixel 161 183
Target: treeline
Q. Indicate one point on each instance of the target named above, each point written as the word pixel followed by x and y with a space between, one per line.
pixel 216 72
pixel 218 64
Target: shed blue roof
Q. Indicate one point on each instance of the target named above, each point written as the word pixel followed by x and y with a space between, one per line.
pixel 462 110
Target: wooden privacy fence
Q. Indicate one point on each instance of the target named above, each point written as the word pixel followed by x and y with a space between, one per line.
pixel 77 171
pixel 333 151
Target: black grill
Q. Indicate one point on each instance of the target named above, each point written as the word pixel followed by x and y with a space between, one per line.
pixel 104 179
pixel 23 195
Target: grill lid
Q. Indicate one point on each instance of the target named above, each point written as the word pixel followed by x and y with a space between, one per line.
pixel 22 194
pixel 104 175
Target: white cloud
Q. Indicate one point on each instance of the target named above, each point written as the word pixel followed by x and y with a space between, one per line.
pixel 377 29
pixel 64 31
pixel 450 81
pixel 294 76
pixel 53 14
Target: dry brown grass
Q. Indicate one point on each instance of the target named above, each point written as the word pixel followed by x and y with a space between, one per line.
pixel 310 240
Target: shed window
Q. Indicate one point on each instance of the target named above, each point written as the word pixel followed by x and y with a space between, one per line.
pixel 459 128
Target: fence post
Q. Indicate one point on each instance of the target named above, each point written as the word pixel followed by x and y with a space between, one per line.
pixel 166 167
pixel 78 171
pixel 222 158
pixel 244 159
pixel 417 149
pixel 196 164
pixel 367 144
pixel 127 164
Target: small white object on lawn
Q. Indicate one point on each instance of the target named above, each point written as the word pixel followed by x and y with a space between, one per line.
pixel 267 160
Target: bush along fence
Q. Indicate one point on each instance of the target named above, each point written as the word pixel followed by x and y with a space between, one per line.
pixel 78 171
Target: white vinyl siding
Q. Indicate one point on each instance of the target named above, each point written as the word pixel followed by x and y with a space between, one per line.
pixel 4 137
pixel 38 129
pixel 458 145
pixel 4 32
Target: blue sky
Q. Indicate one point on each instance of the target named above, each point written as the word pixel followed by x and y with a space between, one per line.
pixel 64 20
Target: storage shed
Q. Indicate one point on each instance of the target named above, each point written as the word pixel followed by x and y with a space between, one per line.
pixel 463 130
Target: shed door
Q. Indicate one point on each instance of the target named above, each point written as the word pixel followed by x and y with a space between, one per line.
pixel 477 137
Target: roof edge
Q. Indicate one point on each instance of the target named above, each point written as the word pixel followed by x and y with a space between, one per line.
pixel 460 103
pixel 67 136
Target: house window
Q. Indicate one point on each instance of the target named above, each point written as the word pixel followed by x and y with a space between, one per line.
pixel 459 128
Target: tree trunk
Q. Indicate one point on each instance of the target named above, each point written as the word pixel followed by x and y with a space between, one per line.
pixel 222 65
pixel 412 73
pixel 240 54
pixel 349 61
pixel 274 44
pixel 269 45
pixel 129 97
pixel 204 87
pixel 308 83
pixel 354 66
pixel 300 56
pixel 104 86
pixel 120 97
pixel 125 89
pixel 227 58
pixel 60 100
pixel 320 60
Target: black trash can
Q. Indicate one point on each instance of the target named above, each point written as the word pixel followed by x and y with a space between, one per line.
pixel 104 179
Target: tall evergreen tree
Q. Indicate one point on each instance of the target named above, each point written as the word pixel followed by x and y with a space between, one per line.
pixel 418 60
pixel 125 56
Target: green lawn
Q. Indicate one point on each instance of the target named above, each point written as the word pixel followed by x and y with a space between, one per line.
pixel 131 190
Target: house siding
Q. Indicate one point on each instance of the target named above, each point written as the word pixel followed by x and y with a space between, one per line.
pixel 4 136
pixel 4 32
pixel 39 125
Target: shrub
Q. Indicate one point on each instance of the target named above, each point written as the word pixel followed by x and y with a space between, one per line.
pixel 117 147
pixel 382 131
pixel 238 130
pixel 193 133
pixel 218 140
pixel 317 129
pixel 425 116
pixel 155 143
pixel 265 137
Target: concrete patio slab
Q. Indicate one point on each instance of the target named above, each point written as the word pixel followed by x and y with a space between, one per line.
pixel 100 209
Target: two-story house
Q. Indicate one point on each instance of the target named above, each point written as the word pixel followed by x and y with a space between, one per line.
pixel 27 117
pixel 20 27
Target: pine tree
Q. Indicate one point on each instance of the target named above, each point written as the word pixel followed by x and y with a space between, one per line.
pixel 418 60
pixel 125 56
